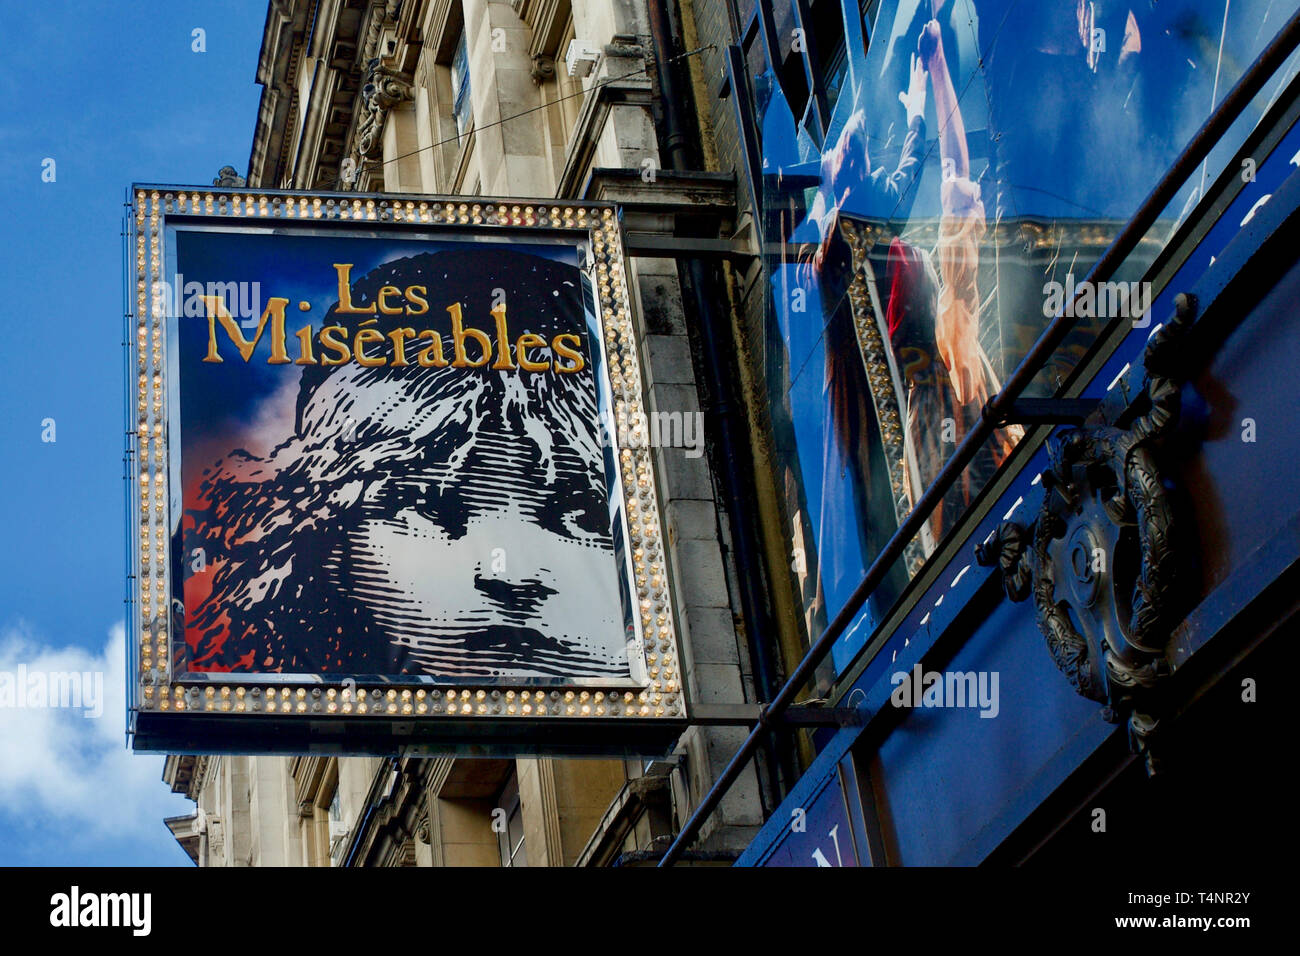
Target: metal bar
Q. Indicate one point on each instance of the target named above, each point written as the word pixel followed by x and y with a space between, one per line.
pixel 798 715
pixel 724 715
pixel 767 31
pixel 1206 138
pixel 810 716
pixel 1050 411
pixel 661 246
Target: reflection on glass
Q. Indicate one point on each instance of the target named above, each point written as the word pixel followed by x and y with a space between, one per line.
pixel 981 155
pixel 462 107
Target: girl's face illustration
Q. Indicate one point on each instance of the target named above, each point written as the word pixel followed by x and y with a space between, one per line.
pixel 506 580
pixel 426 520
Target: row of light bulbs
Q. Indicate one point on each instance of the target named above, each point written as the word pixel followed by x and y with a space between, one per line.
pixel 659 698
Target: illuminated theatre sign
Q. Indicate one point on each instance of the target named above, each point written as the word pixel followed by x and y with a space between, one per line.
pixel 378 501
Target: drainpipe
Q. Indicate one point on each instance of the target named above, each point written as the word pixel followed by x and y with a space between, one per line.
pixel 714 333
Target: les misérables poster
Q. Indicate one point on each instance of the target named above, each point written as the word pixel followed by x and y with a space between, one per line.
pixel 391 461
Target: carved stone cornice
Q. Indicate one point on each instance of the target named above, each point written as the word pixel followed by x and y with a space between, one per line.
pixel 547 20
pixel 204 768
pixel 283 38
pixel 186 774
pixel 384 88
pixel 543 70
pixel 228 177
pixel 216 834
pixel 308 774
pixel 382 13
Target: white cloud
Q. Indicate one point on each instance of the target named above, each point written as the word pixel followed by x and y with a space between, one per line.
pixel 274 419
pixel 66 775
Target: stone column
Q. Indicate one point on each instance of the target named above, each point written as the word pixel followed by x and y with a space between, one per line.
pixel 511 156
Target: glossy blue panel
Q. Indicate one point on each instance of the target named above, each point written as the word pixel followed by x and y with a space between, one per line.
pixel 947 773
pixel 824 836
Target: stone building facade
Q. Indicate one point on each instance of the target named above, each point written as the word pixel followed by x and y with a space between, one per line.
pixel 526 98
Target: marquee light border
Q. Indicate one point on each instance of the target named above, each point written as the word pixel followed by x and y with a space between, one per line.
pixel 158 691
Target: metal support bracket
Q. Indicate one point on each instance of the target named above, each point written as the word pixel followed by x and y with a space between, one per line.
pixel 668 247
pixel 798 715
pixel 670 213
pixel 1049 411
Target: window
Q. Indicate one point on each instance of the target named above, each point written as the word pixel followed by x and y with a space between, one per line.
pixel 831 68
pixel 508 822
pixel 338 830
pixel 1024 119
pixel 461 106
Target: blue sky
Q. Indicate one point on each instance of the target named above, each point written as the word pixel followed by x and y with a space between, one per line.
pixel 113 94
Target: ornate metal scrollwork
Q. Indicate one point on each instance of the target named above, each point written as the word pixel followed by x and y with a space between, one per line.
pixel 1099 558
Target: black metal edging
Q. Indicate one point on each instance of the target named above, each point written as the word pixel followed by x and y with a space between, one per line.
pixel 816 89
pixel 1050 411
pixel 747 715
pixel 995 410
